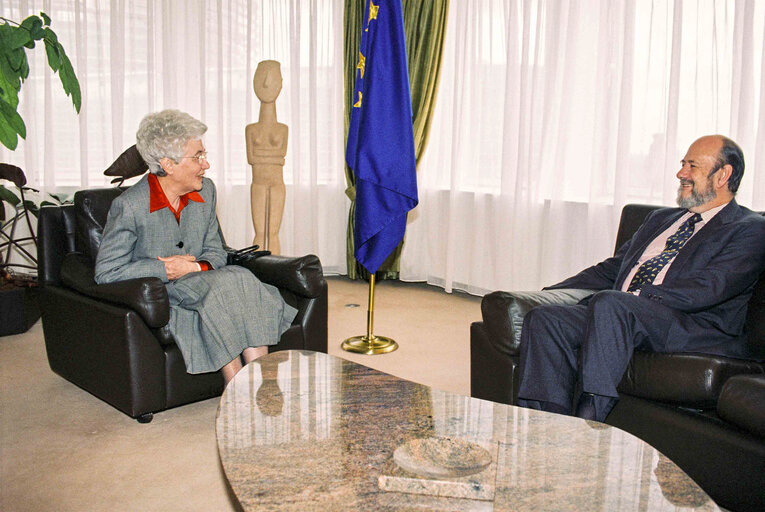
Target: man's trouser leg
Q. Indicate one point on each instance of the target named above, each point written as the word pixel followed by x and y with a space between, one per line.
pixel 550 342
pixel 617 323
pixel 591 344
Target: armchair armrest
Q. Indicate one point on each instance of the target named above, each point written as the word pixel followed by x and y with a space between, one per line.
pixel 503 312
pixel 301 275
pixel 742 402
pixel 146 296
pixel 694 380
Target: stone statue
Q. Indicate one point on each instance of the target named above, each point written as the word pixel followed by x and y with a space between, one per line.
pixel 266 149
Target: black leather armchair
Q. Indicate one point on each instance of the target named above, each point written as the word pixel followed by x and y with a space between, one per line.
pixel 112 339
pixel 706 413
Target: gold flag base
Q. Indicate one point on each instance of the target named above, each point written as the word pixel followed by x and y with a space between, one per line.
pixel 364 345
pixel 370 344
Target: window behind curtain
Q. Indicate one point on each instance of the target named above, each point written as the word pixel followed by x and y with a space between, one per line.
pixel 199 56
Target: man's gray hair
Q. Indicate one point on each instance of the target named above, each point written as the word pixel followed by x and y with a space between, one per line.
pixel 165 134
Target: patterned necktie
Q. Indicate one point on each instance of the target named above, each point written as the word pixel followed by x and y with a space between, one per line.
pixel 651 268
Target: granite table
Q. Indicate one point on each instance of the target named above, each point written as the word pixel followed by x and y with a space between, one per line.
pixel 300 430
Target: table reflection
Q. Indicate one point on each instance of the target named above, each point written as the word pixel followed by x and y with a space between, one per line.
pixel 285 396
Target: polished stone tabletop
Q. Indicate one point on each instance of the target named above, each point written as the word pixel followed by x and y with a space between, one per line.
pixel 301 430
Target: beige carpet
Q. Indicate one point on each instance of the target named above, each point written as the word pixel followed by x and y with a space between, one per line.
pixel 62 449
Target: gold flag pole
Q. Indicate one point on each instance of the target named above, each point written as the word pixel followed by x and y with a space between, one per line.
pixel 370 344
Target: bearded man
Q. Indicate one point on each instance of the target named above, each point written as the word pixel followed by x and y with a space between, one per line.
pixel 680 284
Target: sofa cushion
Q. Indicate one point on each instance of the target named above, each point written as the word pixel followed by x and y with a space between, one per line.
pixel 690 380
pixel 742 402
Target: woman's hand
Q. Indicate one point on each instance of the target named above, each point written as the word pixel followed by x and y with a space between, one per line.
pixel 179 265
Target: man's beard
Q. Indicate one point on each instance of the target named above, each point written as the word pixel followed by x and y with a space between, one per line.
pixel 696 199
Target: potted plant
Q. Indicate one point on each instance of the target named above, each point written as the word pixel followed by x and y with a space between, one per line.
pixel 18 283
pixel 19 204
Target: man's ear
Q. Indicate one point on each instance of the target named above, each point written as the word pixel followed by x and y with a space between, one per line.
pixel 723 175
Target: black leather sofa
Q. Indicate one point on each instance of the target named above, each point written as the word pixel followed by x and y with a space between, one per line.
pixel 706 413
pixel 112 339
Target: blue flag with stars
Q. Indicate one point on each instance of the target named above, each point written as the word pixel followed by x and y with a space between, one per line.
pixel 380 138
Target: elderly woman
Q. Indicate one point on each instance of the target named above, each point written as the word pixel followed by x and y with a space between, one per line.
pixel 165 226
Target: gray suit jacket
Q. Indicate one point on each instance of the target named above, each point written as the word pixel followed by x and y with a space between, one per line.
pixel 134 238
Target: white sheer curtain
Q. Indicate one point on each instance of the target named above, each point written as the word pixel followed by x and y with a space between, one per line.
pixel 553 114
pixel 199 56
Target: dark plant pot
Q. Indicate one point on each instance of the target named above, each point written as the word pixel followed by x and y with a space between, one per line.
pixel 19 309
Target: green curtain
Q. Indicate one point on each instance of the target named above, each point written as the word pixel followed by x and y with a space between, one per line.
pixel 424 29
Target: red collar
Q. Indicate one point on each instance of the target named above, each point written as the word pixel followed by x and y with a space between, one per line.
pixel 158 199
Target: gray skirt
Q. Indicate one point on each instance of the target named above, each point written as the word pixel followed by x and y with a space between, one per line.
pixel 215 315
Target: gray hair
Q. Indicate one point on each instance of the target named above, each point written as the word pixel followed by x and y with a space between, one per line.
pixel 165 134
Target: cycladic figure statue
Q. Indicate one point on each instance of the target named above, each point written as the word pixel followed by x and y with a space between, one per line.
pixel 266 148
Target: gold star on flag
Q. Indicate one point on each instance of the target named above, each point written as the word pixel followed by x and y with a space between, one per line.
pixel 373 11
pixel 360 65
pixel 358 103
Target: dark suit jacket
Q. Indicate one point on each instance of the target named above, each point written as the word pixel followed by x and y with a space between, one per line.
pixel 709 282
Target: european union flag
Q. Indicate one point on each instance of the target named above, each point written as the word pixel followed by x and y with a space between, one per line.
pixel 380 139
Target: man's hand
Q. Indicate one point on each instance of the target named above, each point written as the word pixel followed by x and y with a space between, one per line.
pixel 179 265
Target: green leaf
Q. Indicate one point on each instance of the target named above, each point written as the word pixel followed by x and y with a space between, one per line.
pixel 61 198
pixel 24 71
pixel 16 58
pixel 50 36
pixel 31 207
pixel 30 44
pixel 45 18
pixel 47 203
pixel 36 31
pixel 8 135
pixel 8 93
pixel 28 23
pixel 4 46
pixel 11 76
pixel 13 119
pixel 69 80
pixel 18 38
pixel 9 196
pixel 54 59
pixel 33 25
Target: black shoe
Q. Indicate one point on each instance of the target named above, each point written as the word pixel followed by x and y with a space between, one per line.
pixel 585 409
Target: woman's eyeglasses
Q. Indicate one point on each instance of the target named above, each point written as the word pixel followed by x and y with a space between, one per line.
pixel 201 157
